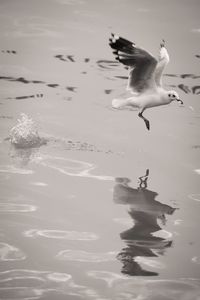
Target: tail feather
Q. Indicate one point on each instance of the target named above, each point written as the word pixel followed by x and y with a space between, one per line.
pixel 118 103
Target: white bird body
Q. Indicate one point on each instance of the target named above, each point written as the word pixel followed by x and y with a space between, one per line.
pixel 145 100
pixel 145 77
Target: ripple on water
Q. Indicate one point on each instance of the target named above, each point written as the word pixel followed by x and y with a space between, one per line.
pixel 178 222
pixel 43 184
pixel 14 170
pixel 71 167
pixel 10 253
pixel 195 197
pixel 16 208
pixel 108 277
pixel 62 234
pixel 197 171
pixel 84 256
pixel 23 284
pixel 196 260
pixel 187 289
pixel 31 284
pixel 124 221
pixel 123 287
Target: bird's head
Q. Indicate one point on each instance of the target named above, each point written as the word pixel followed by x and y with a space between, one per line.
pixel 173 96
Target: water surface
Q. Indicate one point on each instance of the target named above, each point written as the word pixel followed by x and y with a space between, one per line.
pixel 97 208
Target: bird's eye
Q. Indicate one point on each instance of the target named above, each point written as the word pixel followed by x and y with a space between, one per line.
pixel 173 96
pixel 169 95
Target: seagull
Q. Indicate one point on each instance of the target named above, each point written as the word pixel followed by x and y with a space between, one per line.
pixel 145 76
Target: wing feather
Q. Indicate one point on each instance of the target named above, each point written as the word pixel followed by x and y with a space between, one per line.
pixel 163 60
pixel 141 63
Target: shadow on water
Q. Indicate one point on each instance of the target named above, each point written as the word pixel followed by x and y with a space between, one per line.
pixel 141 240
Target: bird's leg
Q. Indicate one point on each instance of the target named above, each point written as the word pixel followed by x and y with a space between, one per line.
pixel 162 44
pixel 145 120
pixel 143 180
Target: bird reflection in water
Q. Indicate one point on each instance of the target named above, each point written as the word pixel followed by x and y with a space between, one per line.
pixel 22 157
pixel 146 213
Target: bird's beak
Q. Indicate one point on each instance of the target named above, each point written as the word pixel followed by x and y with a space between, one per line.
pixel 179 100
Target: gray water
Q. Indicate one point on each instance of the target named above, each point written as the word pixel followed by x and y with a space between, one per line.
pixel 98 207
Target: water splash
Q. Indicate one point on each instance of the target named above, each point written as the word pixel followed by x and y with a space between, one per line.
pixel 25 134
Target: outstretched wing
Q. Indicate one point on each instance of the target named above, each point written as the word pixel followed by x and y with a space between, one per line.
pixel 162 62
pixel 142 64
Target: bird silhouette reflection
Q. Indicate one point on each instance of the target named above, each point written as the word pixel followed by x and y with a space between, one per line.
pixel 148 216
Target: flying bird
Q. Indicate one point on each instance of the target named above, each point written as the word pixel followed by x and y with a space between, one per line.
pixel 145 76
